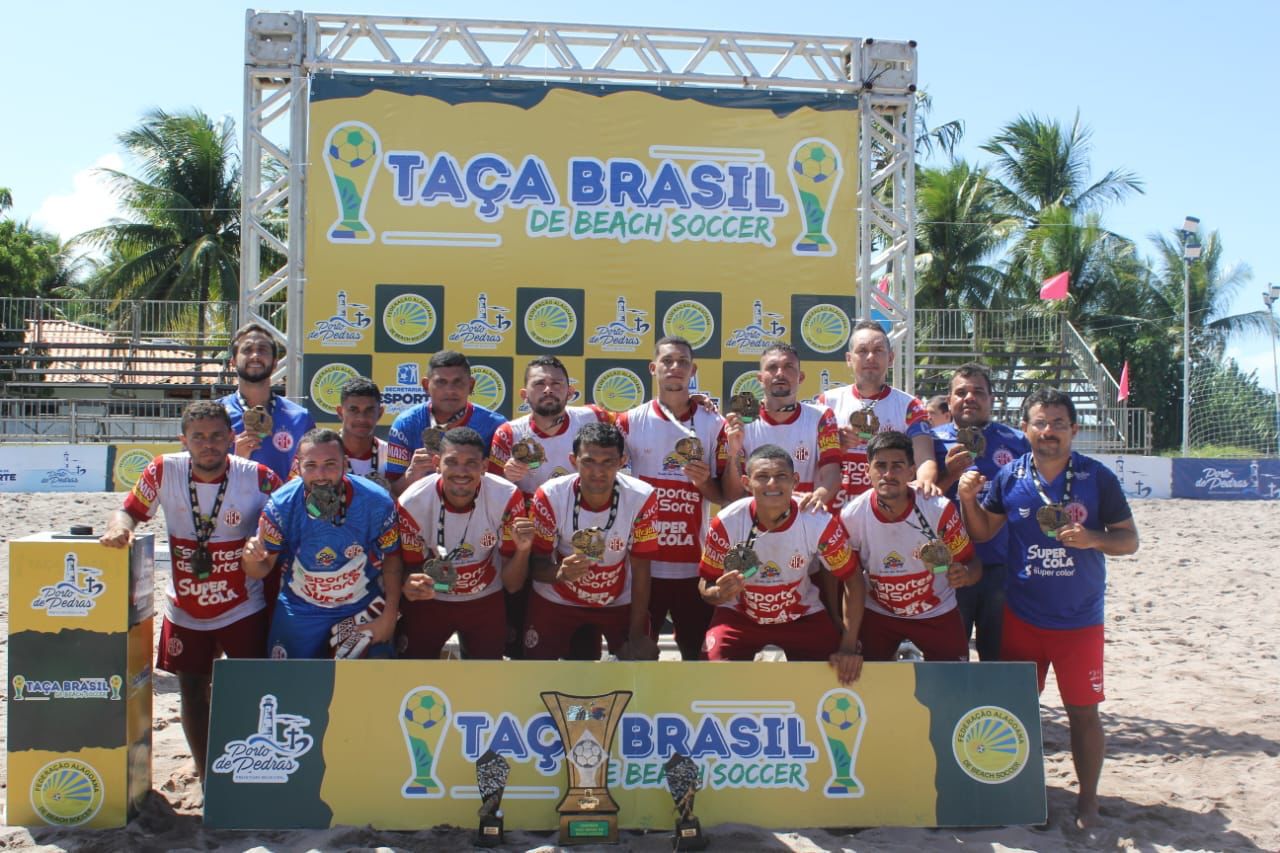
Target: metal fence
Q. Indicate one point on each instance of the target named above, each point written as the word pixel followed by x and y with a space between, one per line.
pixel 134 320
pixel 64 421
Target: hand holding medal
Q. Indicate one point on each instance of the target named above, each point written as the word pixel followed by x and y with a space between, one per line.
pixel 745 405
pixel 257 421
pixel 742 558
pixel 439 567
pixel 864 422
pixel 1051 518
pixel 972 439
pixel 936 556
pixel 529 452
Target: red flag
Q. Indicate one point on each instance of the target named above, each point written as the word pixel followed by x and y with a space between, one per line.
pixel 1124 383
pixel 1055 287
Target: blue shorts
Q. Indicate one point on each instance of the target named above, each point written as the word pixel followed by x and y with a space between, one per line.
pixel 303 632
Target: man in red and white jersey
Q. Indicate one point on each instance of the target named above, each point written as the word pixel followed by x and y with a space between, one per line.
pixel 679 448
pixel 593 538
pixel 211 504
pixel 806 431
pixel 360 408
pixel 755 571
pixel 870 405
pixel 915 552
pixel 475 523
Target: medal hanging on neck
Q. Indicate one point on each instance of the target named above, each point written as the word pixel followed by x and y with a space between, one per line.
pixel 745 405
pixel 257 419
pixel 1053 514
pixel 973 440
pixel 864 421
pixel 324 503
pixel 433 435
pixel 742 558
pixel 590 541
pixel 441 568
pixel 934 553
pixel 373 475
pixel 201 559
pixel 689 448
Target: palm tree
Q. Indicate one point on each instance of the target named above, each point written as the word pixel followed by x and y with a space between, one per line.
pixel 6 199
pixel 959 229
pixel 181 238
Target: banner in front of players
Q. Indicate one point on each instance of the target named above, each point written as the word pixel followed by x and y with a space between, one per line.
pixel 511 219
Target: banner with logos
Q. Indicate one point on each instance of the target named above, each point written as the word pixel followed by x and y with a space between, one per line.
pixel 54 468
pixel 128 461
pixel 512 219
pixel 394 743
pixel 1140 476
pixel 1226 479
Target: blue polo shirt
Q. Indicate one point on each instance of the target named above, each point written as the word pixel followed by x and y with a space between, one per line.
pixel 1004 444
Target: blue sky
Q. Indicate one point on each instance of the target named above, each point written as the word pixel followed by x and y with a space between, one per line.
pixel 1181 93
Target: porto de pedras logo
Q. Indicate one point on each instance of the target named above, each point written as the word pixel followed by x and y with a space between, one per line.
pixel 269 755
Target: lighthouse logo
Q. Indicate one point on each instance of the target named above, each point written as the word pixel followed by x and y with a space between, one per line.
pixel 271 753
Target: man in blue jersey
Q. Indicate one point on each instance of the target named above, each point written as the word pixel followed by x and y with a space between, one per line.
pixel 275 423
pixel 986 447
pixel 339 536
pixel 448 384
pixel 1066 513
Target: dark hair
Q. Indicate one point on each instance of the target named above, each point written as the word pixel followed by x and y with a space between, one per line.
pixel 870 326
pixel 546 361
pixel 785 349
pixel 1049 397
pixel 321 435
pixel 447 358
pixel 360 386
pixel 201 409
pixel 971 369
pixel 939 402
pixel 254 327
pixel 890 440
pixel 599 434
pixel 771 452
pixel 673 340
pixel 464 436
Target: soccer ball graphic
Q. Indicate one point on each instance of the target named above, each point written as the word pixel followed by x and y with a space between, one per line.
pixel 839 711
pixel 424 712
pixel 352 145
pixel 817 162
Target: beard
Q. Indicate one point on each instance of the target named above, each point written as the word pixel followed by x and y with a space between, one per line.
pixel 547 408
pixel 254 373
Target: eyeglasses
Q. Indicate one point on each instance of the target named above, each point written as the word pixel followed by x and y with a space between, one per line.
pixel 1044 426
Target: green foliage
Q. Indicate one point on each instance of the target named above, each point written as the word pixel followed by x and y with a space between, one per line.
pixel 960 230
pixel 32 263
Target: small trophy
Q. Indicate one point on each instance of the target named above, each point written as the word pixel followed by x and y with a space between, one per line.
pixel 589 542
pixel 529 452
pixel 742 558
pixel 689 449
pixel 936 555
pixel 588 813
pixel 683 782
pixel 433 439
pixel 973 440
pixel 745 405
pixel 864 423
pixel 441 570
pixel 257 421
pixel 323 501
pixel 1050 518
pixel 492 771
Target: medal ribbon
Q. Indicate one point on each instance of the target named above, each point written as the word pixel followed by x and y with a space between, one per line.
pixel 1041 489
pixel 757 529
pixel 440 527
pixel 613 505
pixel 270 407
pixel 379 458
pixel 670 415
pixel 204 524
pixel 432 422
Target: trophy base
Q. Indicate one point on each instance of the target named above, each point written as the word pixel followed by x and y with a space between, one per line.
pixel 689 835
pixel 490 832
pixel 588 828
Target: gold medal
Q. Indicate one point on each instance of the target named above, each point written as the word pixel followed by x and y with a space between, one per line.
pixel 201 563
pixel 589 542
pixel 973 440
pixel 323 502
pixel 433 439
pixel 936 555
pixel 529 452
pixel 745 405
pixel 743 559
pixel 689 449
pixel 864 422
pixel 257 421
pixel 1050 518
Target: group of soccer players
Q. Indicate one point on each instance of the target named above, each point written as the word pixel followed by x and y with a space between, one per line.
pixel 841 531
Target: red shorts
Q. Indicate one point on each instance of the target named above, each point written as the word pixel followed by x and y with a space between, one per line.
pixel 1076 655
pixel 735 636
pixel 938 637
pixel 425 626
pixel 690 615
pixel 193 650
pixel 550 626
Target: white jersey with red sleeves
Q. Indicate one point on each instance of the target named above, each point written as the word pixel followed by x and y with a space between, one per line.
pixel 227 595
pixel 898 583
pixel 896 410
pixel 683 512
pixel 482 532
pixel 809 434
pixel 556 446
pixel 608 584
pixel 780 591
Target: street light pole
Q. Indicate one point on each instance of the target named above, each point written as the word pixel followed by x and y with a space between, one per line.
pixel 1190 251
pixel 1270 296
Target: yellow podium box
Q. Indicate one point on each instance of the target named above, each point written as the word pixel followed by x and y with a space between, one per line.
pixel 79 680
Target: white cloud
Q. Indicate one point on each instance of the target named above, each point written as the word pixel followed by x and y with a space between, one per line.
pixel 1255 355
pixel 88 205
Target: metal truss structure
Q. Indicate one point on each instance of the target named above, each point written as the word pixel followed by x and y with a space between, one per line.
pixel 283 50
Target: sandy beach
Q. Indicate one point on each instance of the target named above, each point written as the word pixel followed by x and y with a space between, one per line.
pixel 1192 716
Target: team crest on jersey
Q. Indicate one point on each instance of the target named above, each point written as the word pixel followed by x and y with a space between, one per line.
pixel 769 571
pixel 617 543
pixel 796 561
pixel 893 560
pixel 283 441
pixel 488 540
pixel 353 551
pixel 801 453
pixel 1077 511
pixel 530 638
pixel 173 646
pixel 231 517
pixel 326 556
pixel 1003 456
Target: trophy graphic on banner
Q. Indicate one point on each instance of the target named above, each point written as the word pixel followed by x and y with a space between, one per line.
pixel 423 717
pixel 815 175
pixel 492 772
pixel 841 716
pixel 683 781
pixel 587 725
pixel 351 153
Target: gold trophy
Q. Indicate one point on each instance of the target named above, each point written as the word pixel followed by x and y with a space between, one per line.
pixel 587 725
pixel 351 154
pixel 815 175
